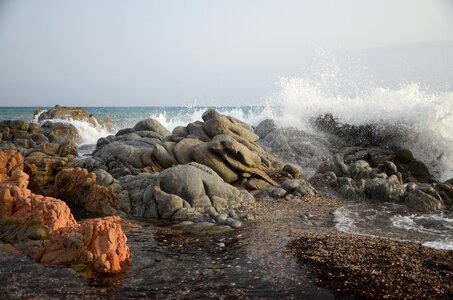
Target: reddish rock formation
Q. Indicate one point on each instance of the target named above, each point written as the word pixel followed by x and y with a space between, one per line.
pixel 44 228
pixel 44 162
pixel 77 186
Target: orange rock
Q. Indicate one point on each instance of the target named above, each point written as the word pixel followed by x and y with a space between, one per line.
pixel 43 164
pixel 77 186
pixel 10 160
pixel 44 228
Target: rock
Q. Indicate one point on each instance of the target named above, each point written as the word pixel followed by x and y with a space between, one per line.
pixel 361 135
pixel 294 146
pixel 44 162
pixel 382 189
pixel 299 186
pixel 256 184
pixel 359 169
pixel 215 124
pixel 420 171
pixel 126 157
pixel 277 192
pixel 292 170
pixel 44 228
pixel 185 189
pixel 152 125
pixel 230 159
pixel 335 164
pixel 445 191
pixel 404 156
pixel 78 187
pixel 390 168
pixel 423 202
pixel 265 127
pixel 139 199
pixel 163 155
pixel 378 156
pixel 183 150
pixel 59 132
pixel 195 130
pixel 74 113
pixel 10 161
pixel 20 135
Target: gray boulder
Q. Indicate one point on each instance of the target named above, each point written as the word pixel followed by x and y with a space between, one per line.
pixel 383 189
pixel 151 125
pixel 298 187
pixel 187 191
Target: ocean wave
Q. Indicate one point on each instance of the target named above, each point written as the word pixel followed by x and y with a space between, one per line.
pixel 88 133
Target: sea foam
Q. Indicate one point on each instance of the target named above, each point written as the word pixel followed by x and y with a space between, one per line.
pixel 396 222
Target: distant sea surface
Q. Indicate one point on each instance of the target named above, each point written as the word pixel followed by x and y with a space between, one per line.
pixel 123 117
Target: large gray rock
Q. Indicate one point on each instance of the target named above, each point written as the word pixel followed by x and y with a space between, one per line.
pixel 230 159
pixel 58 132
pixel 186 191
pixel 151 125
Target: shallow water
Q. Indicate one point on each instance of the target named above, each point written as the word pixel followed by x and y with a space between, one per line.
pixel 397 222
pixel 248 263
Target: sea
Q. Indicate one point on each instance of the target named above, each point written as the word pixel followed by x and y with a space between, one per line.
pixel 425 115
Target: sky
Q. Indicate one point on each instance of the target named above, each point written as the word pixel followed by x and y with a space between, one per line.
pixel 204 52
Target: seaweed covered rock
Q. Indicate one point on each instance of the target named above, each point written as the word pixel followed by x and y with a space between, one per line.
pixel 44 228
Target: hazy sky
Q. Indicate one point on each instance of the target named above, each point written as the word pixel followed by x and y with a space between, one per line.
pixel 110 53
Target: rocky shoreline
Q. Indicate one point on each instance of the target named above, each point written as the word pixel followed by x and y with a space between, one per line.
pixel 213 176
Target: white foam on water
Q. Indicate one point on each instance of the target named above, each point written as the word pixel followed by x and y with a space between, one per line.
pixel 395 222
pixel 426 116
pixel 252 117
pixel 443 245
pixel 344 219
pixel 89 133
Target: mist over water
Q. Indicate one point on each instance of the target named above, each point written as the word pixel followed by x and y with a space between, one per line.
pixel 425 116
